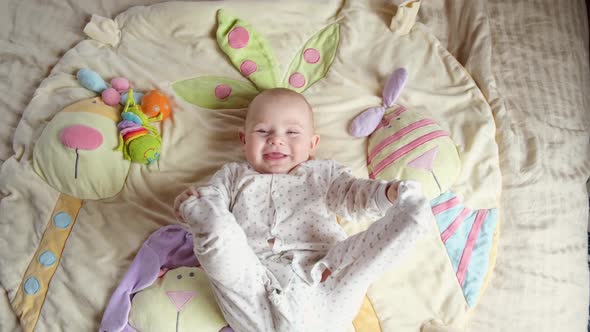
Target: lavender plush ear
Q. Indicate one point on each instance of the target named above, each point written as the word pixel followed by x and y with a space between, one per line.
pixel 394 86
pixel 366 122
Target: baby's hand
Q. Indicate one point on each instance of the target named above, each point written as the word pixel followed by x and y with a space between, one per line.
pixel 190 191
pixel 392 191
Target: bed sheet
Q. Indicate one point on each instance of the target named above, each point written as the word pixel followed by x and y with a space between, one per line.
pixel 530 58
pixel 540 62
pixel 533 66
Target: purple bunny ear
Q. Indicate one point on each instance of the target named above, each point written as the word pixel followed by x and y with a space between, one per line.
pixel 394 86
pixel 365 123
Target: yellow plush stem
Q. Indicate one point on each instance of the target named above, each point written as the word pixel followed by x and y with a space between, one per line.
pixel 156 118
pixel 121 143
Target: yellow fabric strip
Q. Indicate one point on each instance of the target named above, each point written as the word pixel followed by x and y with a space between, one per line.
pixel 492 262
pixel 28 306
pixel 366 320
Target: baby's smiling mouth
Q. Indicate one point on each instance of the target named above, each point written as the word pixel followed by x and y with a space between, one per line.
pixel 274 156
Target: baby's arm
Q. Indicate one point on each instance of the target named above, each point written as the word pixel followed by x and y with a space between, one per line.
pixel 359 199
pixel 219 185
pixel 190 191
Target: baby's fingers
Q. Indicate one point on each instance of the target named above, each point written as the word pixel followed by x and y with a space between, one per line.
pixel 178 216
pixel 194 192
pixel 179 199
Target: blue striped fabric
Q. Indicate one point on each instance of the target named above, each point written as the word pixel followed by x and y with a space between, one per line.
pixel 455 244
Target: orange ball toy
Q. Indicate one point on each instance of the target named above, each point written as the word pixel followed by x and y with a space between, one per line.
pixel 154 103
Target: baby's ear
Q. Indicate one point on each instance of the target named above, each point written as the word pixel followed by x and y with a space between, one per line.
pixel 315 140
pixel 242 136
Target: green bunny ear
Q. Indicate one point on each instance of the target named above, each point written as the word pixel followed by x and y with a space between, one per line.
pixel 216 92
pixel 313 60
pixel 247 50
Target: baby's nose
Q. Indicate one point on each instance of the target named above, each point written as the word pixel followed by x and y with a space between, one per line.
pixel 275 140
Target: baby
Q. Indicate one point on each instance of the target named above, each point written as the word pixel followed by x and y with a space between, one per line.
pixel 266 233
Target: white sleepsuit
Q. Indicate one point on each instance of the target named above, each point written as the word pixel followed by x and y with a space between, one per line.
pixel 265 239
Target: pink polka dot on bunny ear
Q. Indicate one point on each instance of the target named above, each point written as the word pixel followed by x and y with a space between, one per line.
pixel 248 67
pixel 297 80
pixel 238 37
pixel 222 91
pixel 311 55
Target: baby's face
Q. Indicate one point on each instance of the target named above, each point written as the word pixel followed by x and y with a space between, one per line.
pixel 279 133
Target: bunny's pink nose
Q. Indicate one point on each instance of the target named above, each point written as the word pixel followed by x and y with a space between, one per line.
pixel 425 160
pixel 81 137
pixel 180 298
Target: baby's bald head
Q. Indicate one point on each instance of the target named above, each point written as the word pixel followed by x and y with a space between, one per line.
pixel 278 133
pixel 279 100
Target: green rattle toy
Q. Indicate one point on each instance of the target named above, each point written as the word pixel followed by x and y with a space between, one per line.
pixel 139 141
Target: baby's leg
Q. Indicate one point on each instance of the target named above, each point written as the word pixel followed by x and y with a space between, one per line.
pixel 238 279
pixel 362 258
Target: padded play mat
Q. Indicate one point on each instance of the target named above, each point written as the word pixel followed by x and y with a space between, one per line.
pixel 153 100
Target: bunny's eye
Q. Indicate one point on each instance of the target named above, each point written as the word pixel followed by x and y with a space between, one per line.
pixel 179 277
pixel 398 118
pixel 192 274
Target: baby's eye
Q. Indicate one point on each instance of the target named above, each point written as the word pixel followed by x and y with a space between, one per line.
pixel 262 131
pixel 292 132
